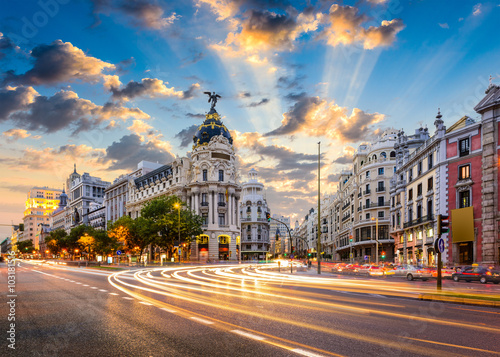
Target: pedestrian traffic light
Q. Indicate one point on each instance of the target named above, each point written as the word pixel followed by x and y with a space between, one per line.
pixel 443 224
pixel 268 216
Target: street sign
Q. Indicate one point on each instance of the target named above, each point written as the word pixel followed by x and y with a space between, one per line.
pixel 291 256
pixel 351 255
pixel 118 252
pixel 439 245
pixel 180 250
pixel 366 257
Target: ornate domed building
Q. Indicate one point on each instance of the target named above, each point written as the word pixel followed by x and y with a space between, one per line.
pixel 207 181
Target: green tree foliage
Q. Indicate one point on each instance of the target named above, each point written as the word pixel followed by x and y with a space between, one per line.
pixel 134 234
pixel 166 220
pixel 26 246
pixel 56 240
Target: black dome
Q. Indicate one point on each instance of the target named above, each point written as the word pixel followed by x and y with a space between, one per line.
pixel 212 126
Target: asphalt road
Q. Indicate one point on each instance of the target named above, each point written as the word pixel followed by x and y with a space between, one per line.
pixel 235 311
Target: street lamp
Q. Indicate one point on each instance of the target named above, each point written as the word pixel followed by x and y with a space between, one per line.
pixel 376 237
pixel 177 206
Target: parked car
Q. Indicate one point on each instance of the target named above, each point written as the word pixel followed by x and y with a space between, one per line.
pixel 417 272
pixel 481 274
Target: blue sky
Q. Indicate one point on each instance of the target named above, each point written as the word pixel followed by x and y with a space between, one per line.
pixel 106 83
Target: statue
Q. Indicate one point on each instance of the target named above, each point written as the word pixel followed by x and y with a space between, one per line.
pixel 76 216
pixel 212 97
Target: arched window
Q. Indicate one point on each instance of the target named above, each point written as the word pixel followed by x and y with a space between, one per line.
pixel 205 175
pixel 374 157
pixel 393 154
pixel 224 239
pixel 383 155
pixel 249 209
pixel 259 210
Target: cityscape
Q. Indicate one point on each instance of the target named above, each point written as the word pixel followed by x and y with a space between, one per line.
pixel 235 178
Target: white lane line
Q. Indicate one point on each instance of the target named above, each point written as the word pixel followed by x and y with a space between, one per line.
pixel 113 294
pixel 168 310
pixel 249 335
pixel 306 353
pixel 128 298
pixel 93 287
pixel 104 291
pixel 71 281
pixel 84 285
pixel 145 303
pixel 79 283
pixel 203 321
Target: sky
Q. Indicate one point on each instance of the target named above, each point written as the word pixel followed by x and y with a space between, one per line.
pixel 108 83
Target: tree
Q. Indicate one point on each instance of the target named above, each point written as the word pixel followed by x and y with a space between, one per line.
pixel 26 246
pixel 167 221
pixel 56 240
pixel 134 234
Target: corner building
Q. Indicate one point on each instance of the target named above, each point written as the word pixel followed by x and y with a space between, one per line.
pixel 206 180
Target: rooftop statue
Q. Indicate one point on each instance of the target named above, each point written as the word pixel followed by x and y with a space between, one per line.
pixel 212 97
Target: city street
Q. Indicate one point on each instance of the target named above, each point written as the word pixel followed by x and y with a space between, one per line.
pixel 240 310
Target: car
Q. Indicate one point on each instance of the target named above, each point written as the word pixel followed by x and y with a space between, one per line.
pixel 400 270
pixel 446 272
pixel 372 270
pixel 475 273
pixel 417 272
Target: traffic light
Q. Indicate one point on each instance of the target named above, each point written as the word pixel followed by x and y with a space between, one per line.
pixel 350 238
pixel 383 255
pixel 268 216
pixel 293 249
pixel 443 224
pixel 285 254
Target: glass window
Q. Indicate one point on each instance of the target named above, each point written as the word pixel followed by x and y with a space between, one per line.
pixel 221 197
pixel 419 169
pixel 464 147
pixel 380 170
pixel 430 162
pixel 383 154
pixel 419 190
pixel 221 175
pixel 367 216
pixel 464 172
pixel 410 194
pixel 222 219
pixel 381 214
pixel 464 199
pixel 430 184
pixel 204 217
pixel 203 197
pixel 205 175
pixel 367 174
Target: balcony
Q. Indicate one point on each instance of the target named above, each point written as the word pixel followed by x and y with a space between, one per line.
pixel 377 205
pixel 204 204
pixel 221 204
pixel 420 220
pixel 359 194
pixel 380 189
pixel 359 208
pixel 367 192
pixel 346 218
pixel 345 206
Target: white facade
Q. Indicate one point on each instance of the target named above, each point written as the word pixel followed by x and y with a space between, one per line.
pixel 281 246
pixel 84 190
pixel 255 242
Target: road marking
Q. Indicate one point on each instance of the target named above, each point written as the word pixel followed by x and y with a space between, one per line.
pixel 488 312
pixel 249 335
pixel 84 285
pixel 451 345
pixel 203 321
pixel 128 298
pixel 145 303
pixel 71 281
pixel 113 294
pixel 306 353
pixel 168 310
pixel 79 283
pixel 104 291
pixel 93 287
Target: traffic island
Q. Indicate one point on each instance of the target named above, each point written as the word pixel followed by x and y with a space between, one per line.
pixel 464 299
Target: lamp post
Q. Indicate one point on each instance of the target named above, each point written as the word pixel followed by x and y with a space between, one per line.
pixel 376 238
pixel 178 207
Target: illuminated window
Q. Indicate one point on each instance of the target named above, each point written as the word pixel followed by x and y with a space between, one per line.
pixel 464 172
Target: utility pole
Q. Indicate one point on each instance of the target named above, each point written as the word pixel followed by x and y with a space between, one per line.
pixel 318 246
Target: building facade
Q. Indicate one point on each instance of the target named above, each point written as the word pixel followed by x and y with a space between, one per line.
pixel 278 235
pixel 40 204
pixel 206 180
pixel 255 239
pixel 84 190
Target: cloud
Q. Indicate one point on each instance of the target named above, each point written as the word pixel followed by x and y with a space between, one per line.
pixel 6 45
pixel 60 62
pixel 186 135
pixel 197 116
pixel 263 31
pixel 476 10
pixel 244 94
pixel 143 13
pixel 140 127
pixel 377 2
pixel 289 83
pixel 345 26
pixel 313 116
pixel 147 87
pixel 64 110
pixel 16 134
pixel 129 150
pixel 257 104
pixel 17 188
pixel 444 26
pixel 347 157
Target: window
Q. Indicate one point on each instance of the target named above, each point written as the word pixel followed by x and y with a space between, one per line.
pixel 221 175
pixel 222 219
pixel 464 147
pixel 410 194
pixel 464 199
pixel 429 162
pixel 381 201
pixel 203 197
pixel 367 216
pixel 383 155
pixel 367 203
pixel 430 209
pixel 398 219
pixel 419 211
pixel 410 237
pixel 410 174
pixel 430 184
pixel 410 214
pixel 464 172
pixel 381 187
pixel 419 169
pixel 380 170
pixel 205 175
pixel 204 218
pixel 221 197
pixel 249 228
pixel 419 190
pixel 367 174
pixel 381 214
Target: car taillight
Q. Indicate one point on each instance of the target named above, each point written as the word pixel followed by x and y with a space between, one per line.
pixel 418 271
pixel 488 273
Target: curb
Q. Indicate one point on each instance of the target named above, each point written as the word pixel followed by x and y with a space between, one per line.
pixel 459 300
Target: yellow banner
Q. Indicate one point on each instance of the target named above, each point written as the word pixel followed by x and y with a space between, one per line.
pixel 462 224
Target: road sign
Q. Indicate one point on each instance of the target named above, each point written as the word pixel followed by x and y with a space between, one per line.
pixel 366 257
pixel 439 245
pixel 351 255
pixel 180 250
pixel 291 256
pixel 118 252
